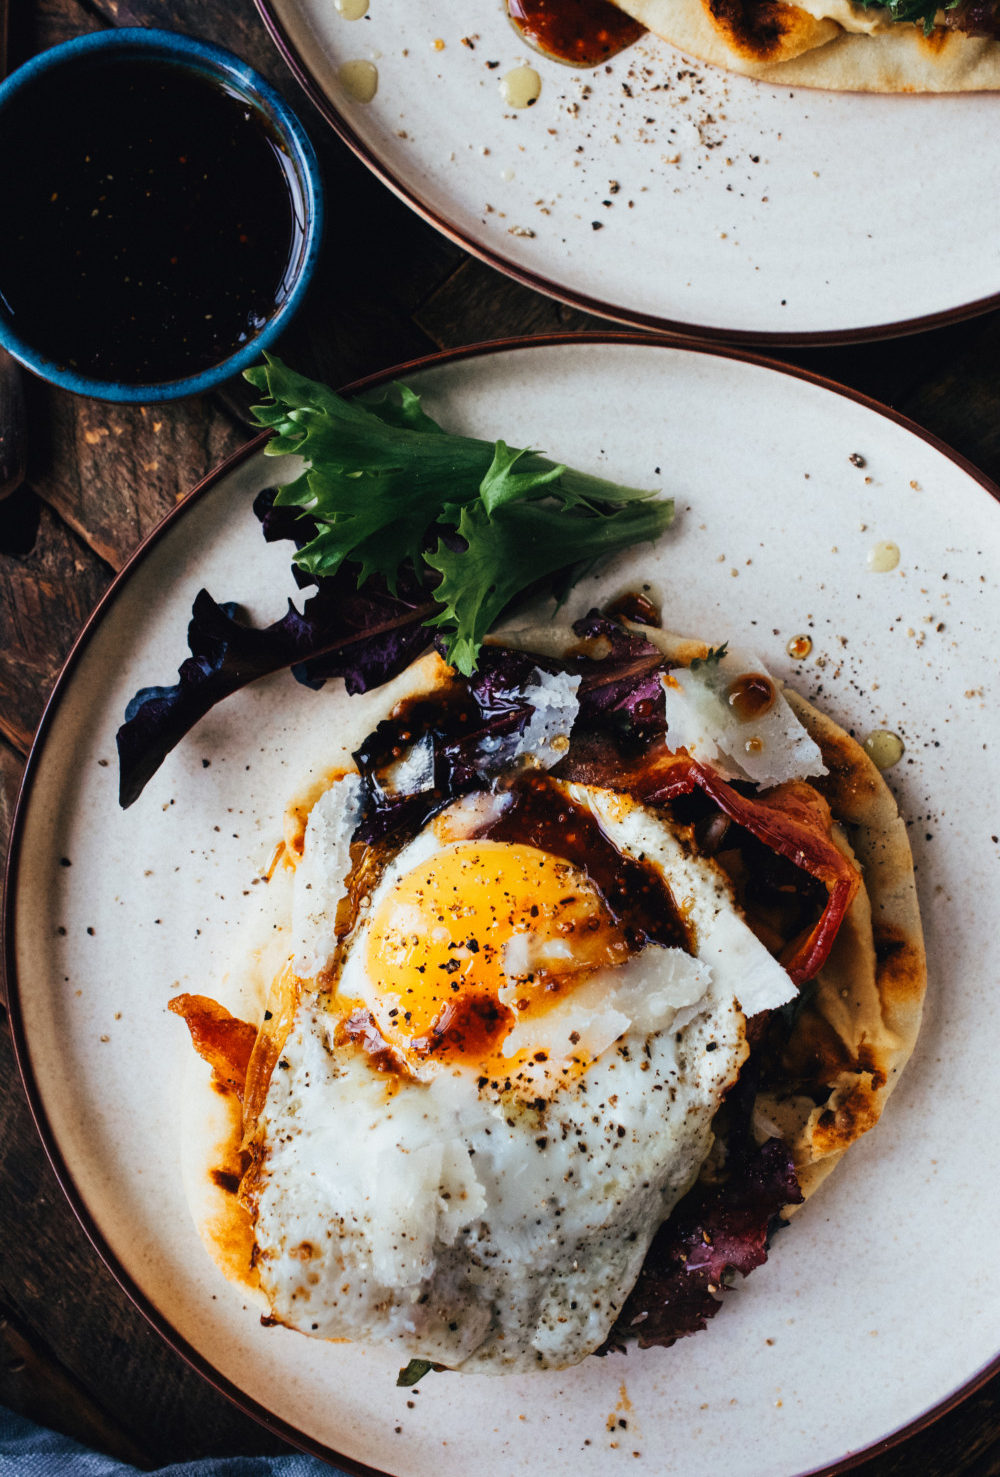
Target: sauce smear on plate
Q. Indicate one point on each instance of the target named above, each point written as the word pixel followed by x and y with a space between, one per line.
pixel 583 33
pixel 151 220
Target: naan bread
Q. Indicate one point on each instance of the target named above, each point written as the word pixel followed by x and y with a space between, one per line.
pixel 859 1023
pixel 852 1036
pixel 843 48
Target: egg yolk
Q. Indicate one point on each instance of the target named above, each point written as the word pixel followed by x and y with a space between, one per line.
pixel 474 937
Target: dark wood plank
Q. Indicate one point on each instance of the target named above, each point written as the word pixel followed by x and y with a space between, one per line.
pixel 46 23
pixel 49 582
pixel 11 769
pixel 959 399
pixel 36 1383
pixel 113 471
pixel 963 1443
pixel 476 302
pixel 892 369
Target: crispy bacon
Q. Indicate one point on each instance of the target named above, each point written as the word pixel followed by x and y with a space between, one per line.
pixel 795 821
pixel 220 1039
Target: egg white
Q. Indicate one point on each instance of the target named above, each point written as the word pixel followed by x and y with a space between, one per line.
pixel 498 1225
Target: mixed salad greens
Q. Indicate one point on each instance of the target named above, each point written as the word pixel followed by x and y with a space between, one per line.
pixel 403 532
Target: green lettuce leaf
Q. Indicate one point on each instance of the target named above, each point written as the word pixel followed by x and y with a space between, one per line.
pixel 521 544
pixel 382 484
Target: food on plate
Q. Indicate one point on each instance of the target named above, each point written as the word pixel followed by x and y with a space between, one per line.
pixel 595 962
pixel 584 965
pixel 845 45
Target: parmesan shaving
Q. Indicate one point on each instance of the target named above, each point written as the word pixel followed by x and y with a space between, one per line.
pixel 321 876
pixel 767 749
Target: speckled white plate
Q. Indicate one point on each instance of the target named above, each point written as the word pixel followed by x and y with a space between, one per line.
pixel 662 192
pixel 852 1330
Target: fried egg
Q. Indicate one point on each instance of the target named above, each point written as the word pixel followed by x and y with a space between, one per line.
pixel 495 1087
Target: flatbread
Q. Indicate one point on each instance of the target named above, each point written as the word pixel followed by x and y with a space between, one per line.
pixel 859 1023
pixel 785 44
pixel 852 1036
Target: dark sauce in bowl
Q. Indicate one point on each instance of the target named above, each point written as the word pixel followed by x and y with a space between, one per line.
pixel 153 223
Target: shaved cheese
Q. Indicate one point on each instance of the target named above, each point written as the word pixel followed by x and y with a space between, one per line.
pixel 545 737
pixel 742 967
pixel 321 875
pixel 412 773
pixel 767 748
pixel 644 994
pixel 654 985
pixel 469 816
pixel 553 697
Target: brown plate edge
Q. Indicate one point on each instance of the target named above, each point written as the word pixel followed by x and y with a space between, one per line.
pixel 8 972
pixel 536 282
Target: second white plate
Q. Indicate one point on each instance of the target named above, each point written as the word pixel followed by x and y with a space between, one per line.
pixel 662 192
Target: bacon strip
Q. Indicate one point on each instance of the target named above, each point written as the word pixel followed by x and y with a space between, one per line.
pixel 794 820
pixel 220 1039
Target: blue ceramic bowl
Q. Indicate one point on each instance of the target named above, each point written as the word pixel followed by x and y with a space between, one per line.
pixel 304 183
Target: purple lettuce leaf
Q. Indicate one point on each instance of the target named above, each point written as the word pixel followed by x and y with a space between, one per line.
pixel 620 688
pixel 714 1231
pixel 365 637
pixel 467 722
pixel 279 524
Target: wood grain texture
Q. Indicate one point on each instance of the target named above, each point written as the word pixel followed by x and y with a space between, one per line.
pixel 13 428
pixel 113 471
pixel 959 399
pixel 46 23
pixel 893 369
pixel 34 1382
pixel 475 295
pixel 11 769
pixel 49 582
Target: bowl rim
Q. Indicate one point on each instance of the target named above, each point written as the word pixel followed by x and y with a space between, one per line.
pixel 192 54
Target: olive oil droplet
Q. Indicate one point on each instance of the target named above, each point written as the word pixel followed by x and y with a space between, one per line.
pixel 359 79
pixel 352 10
pixel 799 647
pixel 883 748
pixel 520 88
pixel 883 556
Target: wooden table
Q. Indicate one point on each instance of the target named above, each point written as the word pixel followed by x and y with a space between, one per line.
pixel 74 1352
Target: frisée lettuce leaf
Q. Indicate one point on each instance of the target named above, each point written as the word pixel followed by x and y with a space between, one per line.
pixel 479 521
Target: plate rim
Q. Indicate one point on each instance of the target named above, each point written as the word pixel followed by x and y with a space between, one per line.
pixel 9 988
pixel 538 282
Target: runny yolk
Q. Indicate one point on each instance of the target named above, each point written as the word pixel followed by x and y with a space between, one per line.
pixel 437 946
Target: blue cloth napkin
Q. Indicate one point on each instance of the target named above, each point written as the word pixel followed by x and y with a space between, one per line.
pixel 27 1450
